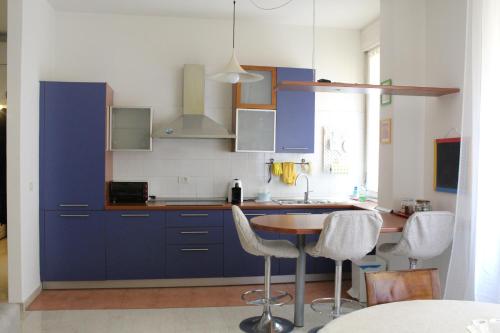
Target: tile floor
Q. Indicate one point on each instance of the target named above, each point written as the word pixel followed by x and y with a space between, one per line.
pixel 158 298
pixel 3 270
pixel 179 320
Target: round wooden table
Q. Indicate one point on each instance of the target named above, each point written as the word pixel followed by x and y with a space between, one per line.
pixel 433 316
pixel 307 224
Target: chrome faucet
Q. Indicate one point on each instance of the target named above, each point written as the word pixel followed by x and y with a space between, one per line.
pixel 306 193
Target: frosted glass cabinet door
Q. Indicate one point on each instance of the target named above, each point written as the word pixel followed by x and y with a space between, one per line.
pixel 257 95
pixel 130 128
pixel 255 130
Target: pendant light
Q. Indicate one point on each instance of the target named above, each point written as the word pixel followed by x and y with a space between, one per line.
pixel 233 73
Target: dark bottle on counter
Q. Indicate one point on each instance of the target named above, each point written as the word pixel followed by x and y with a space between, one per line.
pixel 236 194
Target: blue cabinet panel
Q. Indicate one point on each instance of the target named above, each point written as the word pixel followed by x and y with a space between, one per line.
pixel 135 245
pixel 195 235
pixel 194 261
pixel 72 145
pixel 295 114
pixel 237 262
pixel 74 246
pixel 195 218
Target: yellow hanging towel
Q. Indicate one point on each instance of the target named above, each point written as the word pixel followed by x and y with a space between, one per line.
pixel 289 175
pixel 277 169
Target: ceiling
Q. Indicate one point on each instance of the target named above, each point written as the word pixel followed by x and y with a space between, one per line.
pixel 349 14
pixel 3 15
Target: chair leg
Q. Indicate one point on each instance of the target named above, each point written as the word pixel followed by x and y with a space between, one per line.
pixel 266 322
pixel 338 287
pixel 413 263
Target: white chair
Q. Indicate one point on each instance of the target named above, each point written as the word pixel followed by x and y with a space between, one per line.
pixel 257 246
pixel 346 235
pixel 425 235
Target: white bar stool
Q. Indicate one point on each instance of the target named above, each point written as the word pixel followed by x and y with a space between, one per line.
pixel 257 246
pixel 346 235
pixel 425 235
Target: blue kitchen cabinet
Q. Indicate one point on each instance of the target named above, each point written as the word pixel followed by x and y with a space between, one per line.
pixel 194 261
pixel 74 246
pixel 295 114
pixel 135 245
pixel 237 262
pixel 73 145
pixel 194 244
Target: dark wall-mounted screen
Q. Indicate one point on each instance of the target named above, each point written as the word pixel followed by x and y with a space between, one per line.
pixel 447 163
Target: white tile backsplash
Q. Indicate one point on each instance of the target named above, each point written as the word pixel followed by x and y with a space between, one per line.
pixel 209 164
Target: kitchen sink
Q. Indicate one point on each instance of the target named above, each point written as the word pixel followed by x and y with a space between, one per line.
pixel 302 202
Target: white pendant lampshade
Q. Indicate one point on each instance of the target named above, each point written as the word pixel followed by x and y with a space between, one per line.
pixel 233 73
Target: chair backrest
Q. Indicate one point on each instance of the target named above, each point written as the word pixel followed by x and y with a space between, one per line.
pixel 416 284
pixel 248 239
pixel 427 234
pixel 349 234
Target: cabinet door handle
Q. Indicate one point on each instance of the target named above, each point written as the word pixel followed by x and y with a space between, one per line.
pixel 74 215
pixel 194 215
pixel 255 214
pixel 135 215
pixel 73 205
pixel 295 148
pixel 194 232
pixel 298 213
pixel 194 250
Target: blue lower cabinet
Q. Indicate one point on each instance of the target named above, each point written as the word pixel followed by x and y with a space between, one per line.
pixel 135 245
pixel 195 218
pixel 237 262
pixel 194 261
pixel 195 236
pixel 74 246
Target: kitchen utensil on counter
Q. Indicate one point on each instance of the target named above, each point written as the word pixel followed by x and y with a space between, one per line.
pixel 236 197
pixel 263 197
pixel 407 207
pixel 232 184
pixel 423 205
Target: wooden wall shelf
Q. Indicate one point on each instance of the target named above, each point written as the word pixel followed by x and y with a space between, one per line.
pixel 365 88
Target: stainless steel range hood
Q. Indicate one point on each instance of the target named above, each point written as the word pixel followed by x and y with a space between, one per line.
pixel 193 123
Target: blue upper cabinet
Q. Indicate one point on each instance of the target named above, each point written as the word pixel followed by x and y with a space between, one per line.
pixel 295 114
pixel 73 145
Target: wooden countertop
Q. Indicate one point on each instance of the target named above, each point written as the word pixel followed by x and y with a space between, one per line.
pixel 313 224
pixel 244 205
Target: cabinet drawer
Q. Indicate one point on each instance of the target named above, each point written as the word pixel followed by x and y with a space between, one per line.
pixel 137 216
pixel 195 218
pixel 194 261
pixel 194 235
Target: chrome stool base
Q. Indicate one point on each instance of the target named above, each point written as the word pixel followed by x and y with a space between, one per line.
pixel 327 306
pixel 265 324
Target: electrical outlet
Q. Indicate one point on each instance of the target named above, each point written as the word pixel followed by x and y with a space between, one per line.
pixel 183 180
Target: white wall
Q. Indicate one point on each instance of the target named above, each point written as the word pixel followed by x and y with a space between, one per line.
pixel 142 59
pixel 3 73
pixel 422 42
pixel 30 47
pixel 445 67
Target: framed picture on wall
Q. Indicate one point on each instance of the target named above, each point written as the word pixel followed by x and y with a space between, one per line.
pixel 386 131
pixel 386 99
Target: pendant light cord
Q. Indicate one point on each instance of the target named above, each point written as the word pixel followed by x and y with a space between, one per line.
pixel 314 36
pixel 234 19
pixel 270 8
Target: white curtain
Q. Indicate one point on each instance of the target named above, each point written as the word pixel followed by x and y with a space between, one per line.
pixel 474 272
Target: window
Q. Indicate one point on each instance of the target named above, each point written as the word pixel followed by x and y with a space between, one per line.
pixel 372 122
